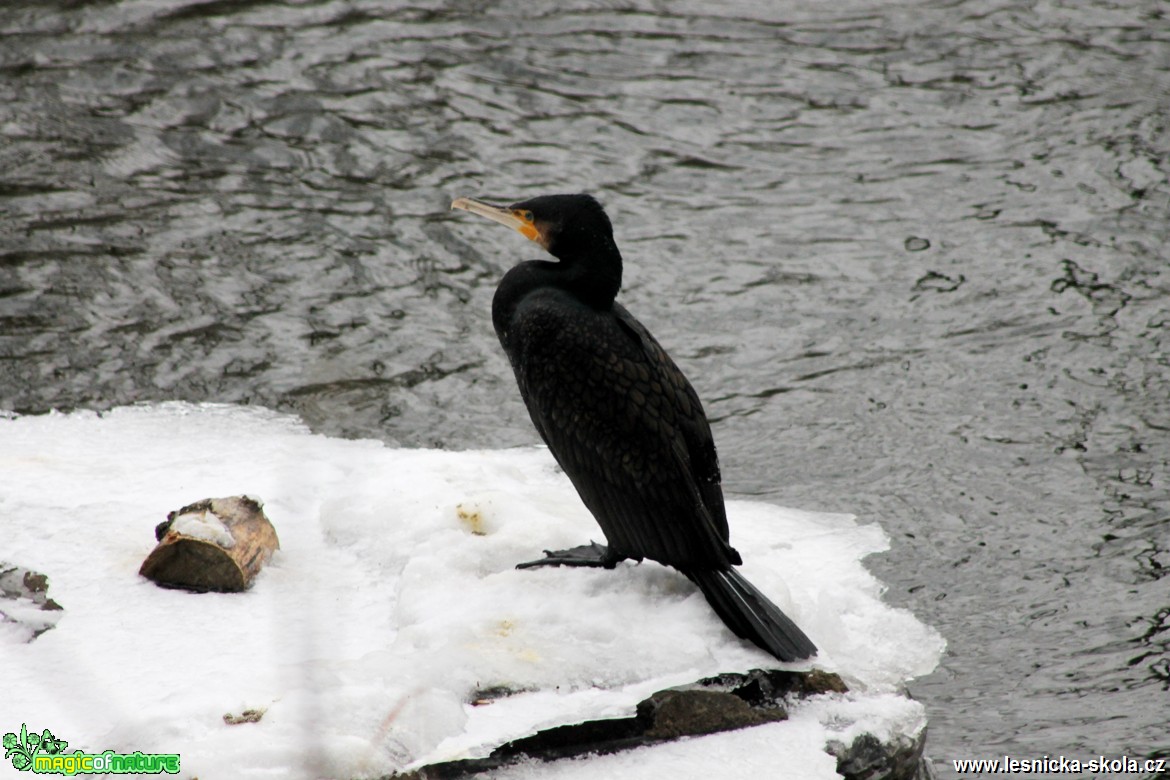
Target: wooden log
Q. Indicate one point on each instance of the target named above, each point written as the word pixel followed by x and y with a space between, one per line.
pixel 217 544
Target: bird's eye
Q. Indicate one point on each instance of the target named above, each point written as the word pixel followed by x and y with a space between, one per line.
pixel 527 215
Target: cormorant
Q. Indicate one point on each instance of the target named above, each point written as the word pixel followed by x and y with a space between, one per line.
pixel 619 416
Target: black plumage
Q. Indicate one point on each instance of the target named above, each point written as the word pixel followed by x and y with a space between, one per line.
pixel 619 416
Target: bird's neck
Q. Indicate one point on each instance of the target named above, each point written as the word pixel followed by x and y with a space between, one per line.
pixel 593 280
pixel 593 275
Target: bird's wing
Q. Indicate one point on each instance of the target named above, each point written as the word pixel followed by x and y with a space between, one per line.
pixel 627 428
pixel 694 428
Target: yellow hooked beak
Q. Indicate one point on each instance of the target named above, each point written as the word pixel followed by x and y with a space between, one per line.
pixel 520 220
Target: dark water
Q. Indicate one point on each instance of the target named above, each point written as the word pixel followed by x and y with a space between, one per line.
pixel 912 254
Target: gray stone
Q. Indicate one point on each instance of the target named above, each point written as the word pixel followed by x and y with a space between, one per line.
pixel 25 602
pixel 723 703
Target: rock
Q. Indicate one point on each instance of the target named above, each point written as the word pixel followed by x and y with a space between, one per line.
pixel 24 602
pixel 729 701
pixel 870 759
pixel 686 713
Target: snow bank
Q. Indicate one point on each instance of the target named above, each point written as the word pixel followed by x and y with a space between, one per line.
pixel 393 599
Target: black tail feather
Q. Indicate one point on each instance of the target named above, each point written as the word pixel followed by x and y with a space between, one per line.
pixel 750 614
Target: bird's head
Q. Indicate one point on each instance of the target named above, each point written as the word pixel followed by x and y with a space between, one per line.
pixel 562 224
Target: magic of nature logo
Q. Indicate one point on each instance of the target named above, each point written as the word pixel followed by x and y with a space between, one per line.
pixel 44 754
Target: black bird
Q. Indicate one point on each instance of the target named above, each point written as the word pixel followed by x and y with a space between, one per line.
pixel 619 416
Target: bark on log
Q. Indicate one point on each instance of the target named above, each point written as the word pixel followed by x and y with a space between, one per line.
pixel 217 544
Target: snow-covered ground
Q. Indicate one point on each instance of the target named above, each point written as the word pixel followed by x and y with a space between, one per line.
pixel 393 599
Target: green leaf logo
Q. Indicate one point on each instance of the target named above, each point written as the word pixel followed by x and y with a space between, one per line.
pixel 24 748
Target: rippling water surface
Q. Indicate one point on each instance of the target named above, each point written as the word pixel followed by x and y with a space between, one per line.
pixel 912 254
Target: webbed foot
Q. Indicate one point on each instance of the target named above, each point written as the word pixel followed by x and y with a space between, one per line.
pixel 592 554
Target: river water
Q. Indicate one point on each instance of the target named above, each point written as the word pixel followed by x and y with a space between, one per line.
pixel 913 255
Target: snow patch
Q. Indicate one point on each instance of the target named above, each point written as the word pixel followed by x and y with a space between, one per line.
pixel 394 600
pixel 205 525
